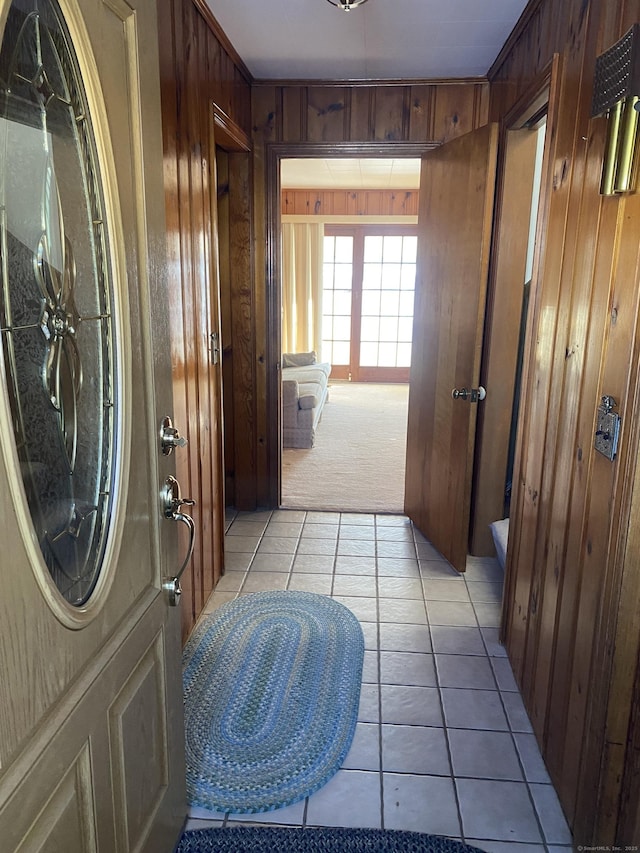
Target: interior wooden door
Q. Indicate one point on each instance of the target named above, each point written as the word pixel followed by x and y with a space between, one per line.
pixel 91 729
pixel 457 187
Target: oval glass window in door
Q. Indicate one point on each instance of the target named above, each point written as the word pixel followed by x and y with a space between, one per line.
pixel 56 297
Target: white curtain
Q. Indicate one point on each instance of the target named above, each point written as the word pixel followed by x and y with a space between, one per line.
pixel 302 286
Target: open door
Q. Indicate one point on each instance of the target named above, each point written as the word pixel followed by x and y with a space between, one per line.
pixel 457 189
pixel 91 727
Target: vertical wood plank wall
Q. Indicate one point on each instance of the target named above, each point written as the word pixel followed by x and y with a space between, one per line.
pixel 572 639
pixel 341 113
pixel 305 202
pixel 197 70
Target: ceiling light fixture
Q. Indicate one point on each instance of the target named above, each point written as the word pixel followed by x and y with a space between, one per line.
pixel 346 5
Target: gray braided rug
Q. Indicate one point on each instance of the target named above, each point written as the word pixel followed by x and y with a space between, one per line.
pixel 253 839
pixel 271 693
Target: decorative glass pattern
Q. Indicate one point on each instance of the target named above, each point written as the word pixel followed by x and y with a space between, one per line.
pixel 56 297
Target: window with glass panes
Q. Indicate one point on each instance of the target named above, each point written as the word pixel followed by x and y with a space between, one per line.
pixel 388 282
pixel 368 293
pixel 337 288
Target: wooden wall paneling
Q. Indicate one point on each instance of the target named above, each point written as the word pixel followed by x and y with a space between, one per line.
pixel 172 72
pixel 481 104
pixel 327 113
pixel 298 202
pixel 589 542
pixel 243 330
pixel 567 387
pixel 618 817
pixel 579 564
pixel 421 103
pixel 375 200
pixel 579 653
pixel 266 123
pixel 392 113
pixel 455 111
pixel 194 66
pixel 620 810
pixel 547 424
pixel 193 274
pixel 361 122
pixel 599 601
pixel 582 566
pixel 351 204
pixel 502 333
pixel 522 598
pixel 210 391
pixel 610 757
pixel 629 15
pixel 219 37
pixel 545 28
pixel 186 466
pixel 213 432
pixel 222 169
pixel 265 119
pixel 338 204
pixel 628 827
pixel 170 27
pixel 228 76
pixel 294 113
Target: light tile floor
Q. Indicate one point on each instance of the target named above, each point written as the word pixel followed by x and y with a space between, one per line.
pixel 443 744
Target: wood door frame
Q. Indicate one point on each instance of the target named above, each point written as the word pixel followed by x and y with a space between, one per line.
pixel 550 77
pixel 237 356
pixel 504 303
pixel 276 152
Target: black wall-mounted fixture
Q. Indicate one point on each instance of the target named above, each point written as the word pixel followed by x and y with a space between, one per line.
pixel 616 93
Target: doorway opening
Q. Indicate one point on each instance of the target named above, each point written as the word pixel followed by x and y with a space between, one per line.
pixel 516 258
pixel 349 246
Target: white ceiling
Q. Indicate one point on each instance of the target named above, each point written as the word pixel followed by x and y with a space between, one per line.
pixel 351 173
pixel 382 40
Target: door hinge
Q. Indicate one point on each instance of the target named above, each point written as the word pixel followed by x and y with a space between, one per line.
pixel 215 347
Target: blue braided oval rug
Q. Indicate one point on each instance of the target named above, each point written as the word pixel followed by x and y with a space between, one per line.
pixel 271 693
pixel 253 839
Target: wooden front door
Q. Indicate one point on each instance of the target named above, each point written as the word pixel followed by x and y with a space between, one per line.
pixel 457 188
pixel 91 728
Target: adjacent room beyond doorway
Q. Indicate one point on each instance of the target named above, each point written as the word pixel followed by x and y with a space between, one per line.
pixel 358 460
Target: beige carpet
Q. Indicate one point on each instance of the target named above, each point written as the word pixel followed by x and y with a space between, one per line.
pixel 358 460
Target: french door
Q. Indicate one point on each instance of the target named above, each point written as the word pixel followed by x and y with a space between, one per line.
pixel 368 287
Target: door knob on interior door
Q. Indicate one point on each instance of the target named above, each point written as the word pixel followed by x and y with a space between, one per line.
pixel 473 395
